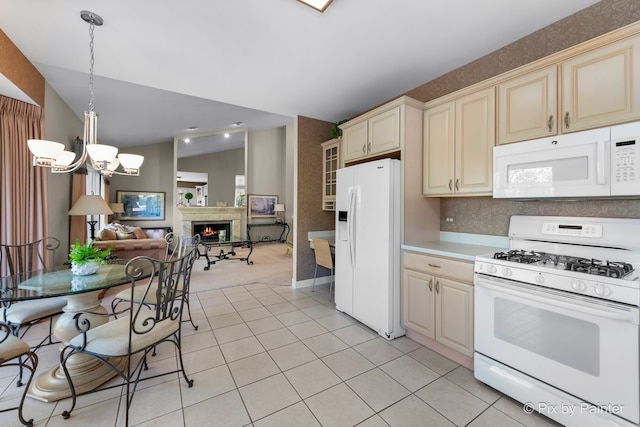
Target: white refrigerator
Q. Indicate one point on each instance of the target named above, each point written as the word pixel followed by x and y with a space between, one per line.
pixel 367 245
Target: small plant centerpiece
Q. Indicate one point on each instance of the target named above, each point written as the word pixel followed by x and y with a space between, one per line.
pixel 188 196
pixel 86 259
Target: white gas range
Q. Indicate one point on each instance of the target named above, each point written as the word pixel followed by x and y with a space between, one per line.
pixel 556 318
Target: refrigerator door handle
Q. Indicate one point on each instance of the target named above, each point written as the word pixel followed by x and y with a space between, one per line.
pixel 351 226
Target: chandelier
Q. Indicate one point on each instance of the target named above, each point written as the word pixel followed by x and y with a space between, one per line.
pixel 103 158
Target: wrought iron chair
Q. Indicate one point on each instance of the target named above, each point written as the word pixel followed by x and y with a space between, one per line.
pixel 177 247
pixel 15 352
pixel 138 329
pixel 17 263
pixel 324 258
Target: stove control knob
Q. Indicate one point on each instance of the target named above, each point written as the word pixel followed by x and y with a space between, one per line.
pixel 601 290
pixel 506 272
pixel 578 285
pixel 491 269
pixel 539 279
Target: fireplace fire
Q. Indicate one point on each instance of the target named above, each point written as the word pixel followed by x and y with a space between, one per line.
pixel 212 230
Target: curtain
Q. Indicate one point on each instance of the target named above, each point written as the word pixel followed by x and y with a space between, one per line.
pixel 23 187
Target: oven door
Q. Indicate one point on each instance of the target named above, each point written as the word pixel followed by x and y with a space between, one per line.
pixel 582 346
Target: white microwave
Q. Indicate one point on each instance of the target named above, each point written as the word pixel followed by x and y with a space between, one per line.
pixel 595 163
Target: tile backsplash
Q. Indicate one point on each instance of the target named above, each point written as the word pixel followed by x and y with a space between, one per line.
pixel 486 215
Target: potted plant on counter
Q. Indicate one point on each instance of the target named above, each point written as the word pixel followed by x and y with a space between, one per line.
pixel 86 259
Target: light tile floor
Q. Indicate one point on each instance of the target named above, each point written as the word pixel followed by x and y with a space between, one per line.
pixel 269 355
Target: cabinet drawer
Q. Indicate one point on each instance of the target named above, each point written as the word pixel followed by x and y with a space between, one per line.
pixel 442 267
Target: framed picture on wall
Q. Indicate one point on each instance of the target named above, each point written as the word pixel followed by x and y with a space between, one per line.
pixel 262 206
pixel 141 205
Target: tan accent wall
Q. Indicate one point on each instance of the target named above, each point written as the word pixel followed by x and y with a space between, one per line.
pixel 309 213
pixel 17 68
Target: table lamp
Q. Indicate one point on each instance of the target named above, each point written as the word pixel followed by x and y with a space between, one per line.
pixel 117 208
pixel 279 207
pixel 91 204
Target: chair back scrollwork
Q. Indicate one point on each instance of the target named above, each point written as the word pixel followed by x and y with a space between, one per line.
pixel 169 281
pixel 21 259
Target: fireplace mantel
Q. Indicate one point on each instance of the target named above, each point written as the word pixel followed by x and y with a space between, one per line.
pixel 211 213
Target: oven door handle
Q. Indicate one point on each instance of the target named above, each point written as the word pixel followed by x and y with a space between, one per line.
pixel 532 295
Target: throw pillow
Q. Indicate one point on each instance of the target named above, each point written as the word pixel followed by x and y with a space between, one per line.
pixel 106 234
pixel 156 233
pixel 116 227
pixel 138 232
pixel 124 235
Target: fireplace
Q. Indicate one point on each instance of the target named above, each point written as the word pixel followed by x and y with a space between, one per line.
pixel 212 214
pixel 212 230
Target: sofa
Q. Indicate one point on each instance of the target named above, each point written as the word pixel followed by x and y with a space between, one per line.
pixel 127 242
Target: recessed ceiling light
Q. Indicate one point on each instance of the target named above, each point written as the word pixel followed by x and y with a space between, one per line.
pixel 192 128
pixel 237 124
pixel 226 135
pixel 186 140
pixel 319 5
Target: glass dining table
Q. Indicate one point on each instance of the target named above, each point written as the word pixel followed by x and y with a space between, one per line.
pixel 82 294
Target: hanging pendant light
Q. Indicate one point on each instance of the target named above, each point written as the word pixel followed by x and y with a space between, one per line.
pixel 103 158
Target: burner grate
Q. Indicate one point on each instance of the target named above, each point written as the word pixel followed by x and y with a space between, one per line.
pixel 592 266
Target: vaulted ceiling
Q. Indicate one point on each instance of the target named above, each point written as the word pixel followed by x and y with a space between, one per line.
pixel 164 66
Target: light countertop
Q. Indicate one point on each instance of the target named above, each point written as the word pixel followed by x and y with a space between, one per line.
pixel 462 246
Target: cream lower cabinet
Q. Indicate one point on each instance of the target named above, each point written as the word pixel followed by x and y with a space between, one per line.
pixel 436 306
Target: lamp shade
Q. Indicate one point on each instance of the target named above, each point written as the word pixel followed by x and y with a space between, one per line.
pixel 279 207
pixel 117 207
pixel 45 151
pixel 131 161
pixel 91 204
pixel 102 152
pixel 65 158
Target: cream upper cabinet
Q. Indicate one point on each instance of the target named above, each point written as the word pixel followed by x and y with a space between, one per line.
pixel 438 149
pixel 330 164
pixel 527 106
pixel 457 148
pixel 601 87
pixel 437 299
pixel 354 142
pixel 377 134
pixel 384 132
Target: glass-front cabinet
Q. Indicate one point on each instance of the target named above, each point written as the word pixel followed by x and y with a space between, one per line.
pixel 330 164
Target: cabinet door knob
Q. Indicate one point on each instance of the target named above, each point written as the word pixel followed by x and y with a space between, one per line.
pixel 430 285
pixel 368 147
pixel 364 148
pixel 450 185
pixel 437 287
pixel 550 123
pixel 433 265
pixel 457 184
pixel 566 120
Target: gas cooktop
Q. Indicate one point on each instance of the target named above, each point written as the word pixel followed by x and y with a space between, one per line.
pixel 614 269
